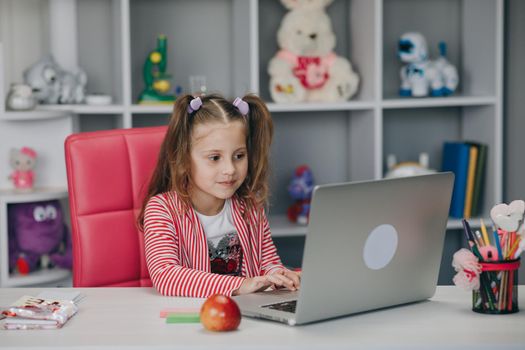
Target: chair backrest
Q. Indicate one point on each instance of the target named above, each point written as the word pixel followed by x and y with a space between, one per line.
pixel 108 174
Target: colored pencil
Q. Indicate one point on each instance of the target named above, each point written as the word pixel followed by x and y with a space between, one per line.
pixel 484 231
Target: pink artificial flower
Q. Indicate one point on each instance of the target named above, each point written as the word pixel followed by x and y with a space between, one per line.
pixel 468 268
pixel 465 259
pixel 467 280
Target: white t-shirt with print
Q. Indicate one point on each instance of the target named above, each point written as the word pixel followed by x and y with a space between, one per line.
pixel 224 247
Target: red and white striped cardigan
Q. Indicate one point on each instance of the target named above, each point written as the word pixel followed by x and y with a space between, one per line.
pixel 177 250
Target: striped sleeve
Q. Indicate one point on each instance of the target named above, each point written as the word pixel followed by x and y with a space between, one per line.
pixel 163 258
pixel 270 261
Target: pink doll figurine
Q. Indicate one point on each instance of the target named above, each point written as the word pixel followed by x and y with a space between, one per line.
pixel 22 161
pixel 300 189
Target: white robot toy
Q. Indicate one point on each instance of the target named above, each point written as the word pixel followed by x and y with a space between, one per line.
pixel 422 76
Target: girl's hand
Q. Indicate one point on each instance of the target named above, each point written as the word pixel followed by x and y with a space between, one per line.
pixel 252 285
pixel 279 279
pixel 290 279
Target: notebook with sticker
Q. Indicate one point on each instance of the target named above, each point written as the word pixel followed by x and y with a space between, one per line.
pixel 370 245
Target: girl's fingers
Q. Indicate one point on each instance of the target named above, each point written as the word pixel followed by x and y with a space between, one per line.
pixel 294 277
pixel 284 280
pixel 275 280
pixel 261 283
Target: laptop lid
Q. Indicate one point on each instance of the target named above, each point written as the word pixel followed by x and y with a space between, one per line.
pixel 373 244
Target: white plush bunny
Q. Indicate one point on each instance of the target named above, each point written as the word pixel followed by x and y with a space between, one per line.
pixel 306 68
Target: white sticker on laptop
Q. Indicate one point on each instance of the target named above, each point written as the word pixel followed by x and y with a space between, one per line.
pixel 380 247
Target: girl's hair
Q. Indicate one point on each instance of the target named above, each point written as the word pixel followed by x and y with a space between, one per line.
pixel 172 172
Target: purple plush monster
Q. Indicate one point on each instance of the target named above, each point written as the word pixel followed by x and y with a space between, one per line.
pixel 37 236
pixel 300 189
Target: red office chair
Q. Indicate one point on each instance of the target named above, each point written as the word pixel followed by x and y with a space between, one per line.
pixel 108 174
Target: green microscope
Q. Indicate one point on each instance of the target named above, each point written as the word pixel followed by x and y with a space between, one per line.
pixel 157 82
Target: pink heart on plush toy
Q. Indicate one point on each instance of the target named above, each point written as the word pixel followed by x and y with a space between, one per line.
pixel 315 75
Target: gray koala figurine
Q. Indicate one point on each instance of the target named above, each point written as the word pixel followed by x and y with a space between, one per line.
pixel 51 84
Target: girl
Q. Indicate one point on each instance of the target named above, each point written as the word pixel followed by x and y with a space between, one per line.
pixel 203 219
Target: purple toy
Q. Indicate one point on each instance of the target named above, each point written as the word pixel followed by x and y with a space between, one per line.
pixel 37 236
pixel 300 189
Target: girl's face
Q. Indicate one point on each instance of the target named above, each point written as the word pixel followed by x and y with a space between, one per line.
pixel 219 164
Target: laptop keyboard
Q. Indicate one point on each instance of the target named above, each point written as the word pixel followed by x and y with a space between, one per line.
pixel 286 306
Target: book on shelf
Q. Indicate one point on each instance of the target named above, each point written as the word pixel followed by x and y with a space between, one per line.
pixel 471 172
pixel 479 180
pixel 467 161
pixel 30 312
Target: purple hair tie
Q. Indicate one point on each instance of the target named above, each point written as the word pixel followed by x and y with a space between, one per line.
pixel 195 105
pixel 241 105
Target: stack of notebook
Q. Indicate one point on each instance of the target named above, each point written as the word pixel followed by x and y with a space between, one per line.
pixel 467 161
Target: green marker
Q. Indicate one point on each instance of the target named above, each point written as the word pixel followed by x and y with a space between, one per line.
pixel 183 318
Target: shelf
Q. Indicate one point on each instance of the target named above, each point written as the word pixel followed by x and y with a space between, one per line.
pixel 39 194
pixel 273 107
pixel 453 101
pixel 455 224
pixel 37 277
pixel 36 114
pixel 50 111
pixel 82 109
pixel 312 107
pixel 152 109
pixel 282 227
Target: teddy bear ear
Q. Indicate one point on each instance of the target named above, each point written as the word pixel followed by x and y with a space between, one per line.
pixel 290 4
pixel 310 4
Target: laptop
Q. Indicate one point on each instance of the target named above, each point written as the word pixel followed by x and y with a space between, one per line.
pixel 369 245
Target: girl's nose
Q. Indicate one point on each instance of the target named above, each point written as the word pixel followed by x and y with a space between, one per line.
pixel 228 169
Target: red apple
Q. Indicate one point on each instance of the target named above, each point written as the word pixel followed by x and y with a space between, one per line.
pixel 220 313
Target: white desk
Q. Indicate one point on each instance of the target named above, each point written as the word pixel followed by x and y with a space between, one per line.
pixel 129 318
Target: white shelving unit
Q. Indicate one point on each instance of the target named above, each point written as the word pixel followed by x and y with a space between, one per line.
pixel 231 43
pixel 45 132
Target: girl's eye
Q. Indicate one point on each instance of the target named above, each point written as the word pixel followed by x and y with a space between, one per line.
pixel 214 158
pixel 239 156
